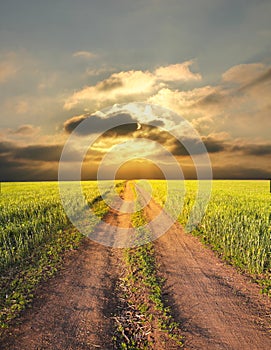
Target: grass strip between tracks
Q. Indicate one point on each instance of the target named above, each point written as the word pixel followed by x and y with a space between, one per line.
pixel 144 322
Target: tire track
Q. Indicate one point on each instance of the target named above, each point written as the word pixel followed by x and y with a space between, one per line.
pixel 217 307
pixel 74 309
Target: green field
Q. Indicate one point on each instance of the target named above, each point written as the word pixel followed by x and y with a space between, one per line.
pixel 237 222
pixel 35 231
pixel 32 214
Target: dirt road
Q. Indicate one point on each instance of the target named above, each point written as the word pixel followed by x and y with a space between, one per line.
pixel 216 307
pixel 73 310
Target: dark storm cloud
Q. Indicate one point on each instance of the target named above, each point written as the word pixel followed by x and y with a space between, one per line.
pixel 237 172
pixel 36 162
pixel 40 162
pixel 13 170
pixel 192 146
pixel 6 147
pixel 157 123
pixel 214 146
pixel 153 133
pixel 44 153
pixel 72 123
pixel 95 124
pixel 121 130
pixel 178 149
pixel 6 163
pixel 253 150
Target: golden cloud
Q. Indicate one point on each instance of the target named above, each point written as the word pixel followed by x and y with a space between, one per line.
pixel 118 87
pixel 130 86
pixel 239 104
pixel 177 72
pixel 182 101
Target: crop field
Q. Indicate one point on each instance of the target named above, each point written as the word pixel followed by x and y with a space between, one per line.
pixel 32 214
pixel 237 221
pixel 35 230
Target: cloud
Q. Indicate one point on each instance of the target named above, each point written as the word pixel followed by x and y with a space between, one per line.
pixel 247 76
pixel 194 147
pixel 97 124
pixel 44 153
pixel 73 122
pixel 213 99
pixel 17 170
pixel 253 149
pixel 122 130
pixel 26 129
pixel 243 73
pixel 261 79
pixel 84 54
pixel 40 161
pixel 232 171
pixel 119 87
pixel 239 104
pixel 214 145
pixel 177 72
pixel 111 83
pixel 26 163
pixel 133 85
pixel 13 170
pixel 6 147
pixel 188 103
pixel 96 72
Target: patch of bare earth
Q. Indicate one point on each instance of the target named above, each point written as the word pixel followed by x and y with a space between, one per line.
pixel 217 307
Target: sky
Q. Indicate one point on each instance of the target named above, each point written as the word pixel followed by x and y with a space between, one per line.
pixel 63 61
